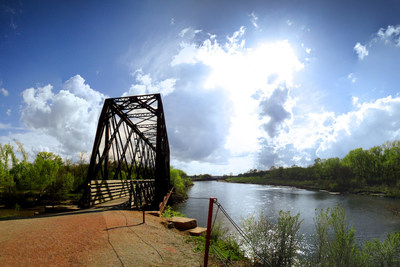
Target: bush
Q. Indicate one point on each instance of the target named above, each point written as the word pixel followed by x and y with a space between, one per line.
pixel 274 244
pixel 218 232
pixel 169 212
pixel 336 244
pixel 220 241
pixel 181 182
pixel 386 253
pixel 335 241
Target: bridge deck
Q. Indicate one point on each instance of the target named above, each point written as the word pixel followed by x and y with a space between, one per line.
pixel 139 192
pixel 113 203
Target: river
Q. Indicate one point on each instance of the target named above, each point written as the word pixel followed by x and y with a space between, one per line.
pixel 371 216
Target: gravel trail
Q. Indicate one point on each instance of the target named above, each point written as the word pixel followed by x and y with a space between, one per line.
pixel 95 237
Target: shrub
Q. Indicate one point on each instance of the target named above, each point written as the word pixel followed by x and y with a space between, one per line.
pixel 386 253
pixel 335 241
pixel 169 212
pixel 181 182
pixel 336 244
pixel 221 244
pixel 274 244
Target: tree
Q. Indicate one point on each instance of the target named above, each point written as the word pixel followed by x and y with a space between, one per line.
pixel 359 162
pixel 376 159
pixel 45 170
pixel 181 182
pixel 22 151
pixel 22 174
pixel 7 161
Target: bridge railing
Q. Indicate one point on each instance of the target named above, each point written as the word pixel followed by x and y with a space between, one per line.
pixel 140 192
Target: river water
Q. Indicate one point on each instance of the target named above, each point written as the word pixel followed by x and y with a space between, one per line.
pixel 371 216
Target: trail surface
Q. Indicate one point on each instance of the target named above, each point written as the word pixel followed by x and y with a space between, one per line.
pixel 95 237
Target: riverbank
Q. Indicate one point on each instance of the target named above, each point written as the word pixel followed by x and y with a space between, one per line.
pixel 310 185
pixel 101 236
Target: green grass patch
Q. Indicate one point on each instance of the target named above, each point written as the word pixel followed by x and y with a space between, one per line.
pixel 247 180
pixel 169 212
pixel 274 181
pixel 221 241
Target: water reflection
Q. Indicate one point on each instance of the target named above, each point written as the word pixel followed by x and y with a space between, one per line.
pixel 370 216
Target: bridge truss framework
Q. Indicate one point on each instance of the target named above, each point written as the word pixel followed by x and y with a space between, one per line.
pixel 131 143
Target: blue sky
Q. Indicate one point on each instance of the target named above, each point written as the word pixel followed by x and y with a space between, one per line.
pixel 245 84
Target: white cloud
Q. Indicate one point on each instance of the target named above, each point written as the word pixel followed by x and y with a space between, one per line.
pixel 68 117
pixel 172 22
pixel 372 123
pixel 236 41
pixel 4 127
pixel 255 82
pixel 387 36
pixel 254 19
pixel 354 100
pixel 216 94
pixel 390 35
pixel 76 85
pixel 145 85
pixel 8 112
pixel 186 54
pixel 189 33
pixel 361 50
pixel 352 77
pixel 230 105
pixel 4 92
pixel 184 31
pixel 32 143
pixel 328 135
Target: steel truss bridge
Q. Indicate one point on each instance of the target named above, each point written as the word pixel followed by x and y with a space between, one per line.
pixel 130 153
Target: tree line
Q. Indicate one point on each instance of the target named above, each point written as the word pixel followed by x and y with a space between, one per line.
pixel 48 178
pixel 375 170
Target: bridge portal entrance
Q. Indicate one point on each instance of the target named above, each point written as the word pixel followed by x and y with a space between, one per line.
pixel 131 143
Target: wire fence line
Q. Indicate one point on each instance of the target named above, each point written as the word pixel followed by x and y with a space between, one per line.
pixel 205 198
pixel 224 217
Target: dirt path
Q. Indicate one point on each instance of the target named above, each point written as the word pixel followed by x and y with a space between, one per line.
pixel 101 237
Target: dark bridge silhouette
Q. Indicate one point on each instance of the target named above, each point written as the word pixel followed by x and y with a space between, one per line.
pixel 130 153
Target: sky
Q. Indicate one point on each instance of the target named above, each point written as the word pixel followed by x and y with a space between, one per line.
pixel 245 84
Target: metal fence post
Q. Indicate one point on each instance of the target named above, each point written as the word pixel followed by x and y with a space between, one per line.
pixel 209 220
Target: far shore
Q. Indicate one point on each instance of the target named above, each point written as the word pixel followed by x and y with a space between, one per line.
pixel 295 184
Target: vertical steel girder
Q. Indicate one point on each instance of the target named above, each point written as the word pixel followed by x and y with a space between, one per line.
pixel 131 142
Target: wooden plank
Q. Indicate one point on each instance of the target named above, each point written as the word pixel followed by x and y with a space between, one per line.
pixel 94 190
pixel 120 181
pixel 106 190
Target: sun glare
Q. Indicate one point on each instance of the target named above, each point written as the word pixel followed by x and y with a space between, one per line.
pixel 244 73
pixel 278 59
pixel 250 69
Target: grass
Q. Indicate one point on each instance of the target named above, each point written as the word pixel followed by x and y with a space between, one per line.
pixel 169 212
pixel 224 244
pixel 308 184
pixel 14 214
pixel 247 180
